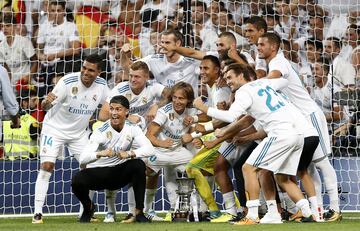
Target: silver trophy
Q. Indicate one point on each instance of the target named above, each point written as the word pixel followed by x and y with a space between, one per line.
pixel 185 204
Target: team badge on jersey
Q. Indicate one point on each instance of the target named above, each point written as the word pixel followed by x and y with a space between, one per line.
pixel 144 100
pixel 95 98
pixel 171 116
pixel 109 135
pixel 74 91
pixel 128 138
pixel 128 96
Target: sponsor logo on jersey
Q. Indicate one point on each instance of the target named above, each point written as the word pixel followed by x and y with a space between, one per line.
pixel 109 135
pixel 171 116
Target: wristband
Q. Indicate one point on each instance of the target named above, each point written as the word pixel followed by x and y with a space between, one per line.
pixel 209 127
pixel 195 118
pixel 196 134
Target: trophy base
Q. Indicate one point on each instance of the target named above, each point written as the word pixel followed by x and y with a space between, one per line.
pixel 180 216
pixel 187 217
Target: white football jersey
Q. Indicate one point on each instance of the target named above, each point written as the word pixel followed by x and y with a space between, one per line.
pixel 17 56
pixel 74 106
pixel 169 74
pixel 139 104
pixel 261 101
pixel 323 98
pixel 56 38
pixel 260 64
pixel 296 91
pixel 217 95
pixel 172 123
pixel 105 137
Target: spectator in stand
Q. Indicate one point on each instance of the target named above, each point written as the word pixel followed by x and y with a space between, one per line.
pixel 226 22
pixel 322 93
pixel 153 21
pixel 288 26
pixel 317 29
pixel 313 51
pixel 31 104
pixel 58 45
pixel 352 40
pixel 17 52
pixel 341 70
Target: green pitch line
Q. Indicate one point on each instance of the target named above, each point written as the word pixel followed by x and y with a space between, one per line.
pixel 351 222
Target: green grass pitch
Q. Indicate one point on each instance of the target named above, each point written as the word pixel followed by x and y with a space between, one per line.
pixel 350 222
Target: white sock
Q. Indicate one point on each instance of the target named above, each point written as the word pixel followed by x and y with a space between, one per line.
pixel 41 188
pixel 230 205
pixel 290 205
pixel 303 204
pixel 203 207
pixel 170 175
pixel 330 181
pixel 131 200
pixel 110 201
pixel 317 183
pixel 149 198
pixel 171 188
pixel 272 206
pixel 314 207
pixel 253 209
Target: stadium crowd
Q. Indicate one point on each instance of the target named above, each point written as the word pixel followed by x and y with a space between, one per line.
pixel 267 88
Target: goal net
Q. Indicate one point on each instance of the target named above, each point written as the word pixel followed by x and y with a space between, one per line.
pixel 42 41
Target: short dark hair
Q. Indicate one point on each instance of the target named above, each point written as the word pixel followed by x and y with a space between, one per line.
pixel 9 19
pixel 271 13
pixel 273 38
pixel 251 71
pixel 228 35
pixel 258 22
pixel 199 3
pixel 314 42
pixel 187 88
pixel 325 63
pixel 356 28
pixel 120 99
pixel 58 3
pixel 336 41
pixel 94 58
pixel 212 59
pixel 178 36
pixel 240 69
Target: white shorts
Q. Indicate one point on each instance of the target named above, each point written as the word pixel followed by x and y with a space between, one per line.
pixel 278 154
pixel 51 146
pixel 318 120
pixel 177 158
pixel 232 152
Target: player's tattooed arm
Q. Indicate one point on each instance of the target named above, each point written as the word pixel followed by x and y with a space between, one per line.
pixel 46 104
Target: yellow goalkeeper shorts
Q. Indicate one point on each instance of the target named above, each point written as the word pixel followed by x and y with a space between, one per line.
pixel 205 159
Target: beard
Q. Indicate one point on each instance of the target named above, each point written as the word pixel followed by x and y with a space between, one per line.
pixel 224 55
